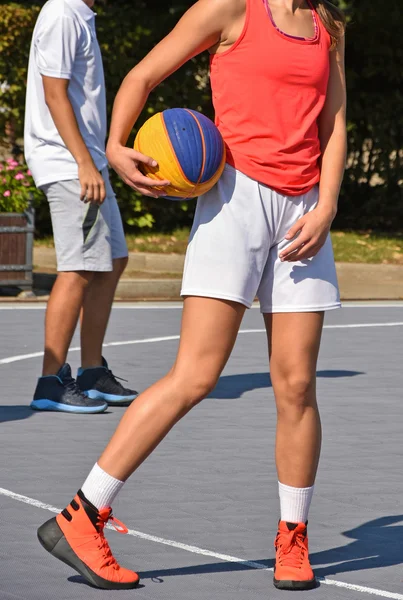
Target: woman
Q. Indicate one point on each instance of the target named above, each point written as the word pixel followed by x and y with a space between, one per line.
pixel 277 75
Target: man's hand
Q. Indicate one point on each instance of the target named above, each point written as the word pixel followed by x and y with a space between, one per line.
pixel 92 183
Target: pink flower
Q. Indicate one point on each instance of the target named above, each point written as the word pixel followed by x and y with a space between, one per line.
pixel 19 176
pixel 7 193
pixel 12 162
pixel 29 173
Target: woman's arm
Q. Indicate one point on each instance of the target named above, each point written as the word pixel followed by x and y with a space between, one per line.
pixel 333 134
pixel 314 227
pixel 203 25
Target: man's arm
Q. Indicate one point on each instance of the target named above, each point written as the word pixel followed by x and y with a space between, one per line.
pixel 56 42
pixel 58 102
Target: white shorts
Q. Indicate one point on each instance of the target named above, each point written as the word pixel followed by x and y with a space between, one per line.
pixel 87 236
pixel 233 253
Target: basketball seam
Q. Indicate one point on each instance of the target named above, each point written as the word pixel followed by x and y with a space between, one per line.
pixel 174 153
pixel 204 153
pixel 203 148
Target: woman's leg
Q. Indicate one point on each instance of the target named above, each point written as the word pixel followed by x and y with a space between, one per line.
pixel 208 333
pixel 294 340
pixel 75 536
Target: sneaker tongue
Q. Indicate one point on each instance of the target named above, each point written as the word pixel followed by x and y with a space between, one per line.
pixel 301 527
pixel 96 516
pixel 65 372
pixel 104 363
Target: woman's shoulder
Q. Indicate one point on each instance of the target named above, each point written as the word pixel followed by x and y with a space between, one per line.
pixel 227 8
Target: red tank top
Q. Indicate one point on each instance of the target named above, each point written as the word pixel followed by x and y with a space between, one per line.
pixel 268 91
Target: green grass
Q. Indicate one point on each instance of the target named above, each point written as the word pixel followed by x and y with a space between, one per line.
pixel 161 243
pixel 368 247
pixel 357 247
pixel 170 243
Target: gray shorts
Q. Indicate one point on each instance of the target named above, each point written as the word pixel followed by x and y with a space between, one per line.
pixel 87 237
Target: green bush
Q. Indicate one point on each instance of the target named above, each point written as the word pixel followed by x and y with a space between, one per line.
pixel 372 194
pixel 17 187
pixel 16 24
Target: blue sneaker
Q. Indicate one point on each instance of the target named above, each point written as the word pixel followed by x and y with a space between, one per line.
pixel 61 393
pixel 100 383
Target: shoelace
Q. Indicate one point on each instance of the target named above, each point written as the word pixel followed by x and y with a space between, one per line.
pixel 109 559
pixel 292 548
pixel 115 378
pixel 72 385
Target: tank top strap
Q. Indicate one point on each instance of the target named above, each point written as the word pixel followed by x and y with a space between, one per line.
pixel 323 32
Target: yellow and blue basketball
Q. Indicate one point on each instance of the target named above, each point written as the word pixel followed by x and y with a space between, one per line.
pixel 188 148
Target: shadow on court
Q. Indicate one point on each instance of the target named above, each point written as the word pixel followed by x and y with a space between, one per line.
pixel 18 413
pixel 15 413
pixel 230 387
pixel 81 581
pixel 376 544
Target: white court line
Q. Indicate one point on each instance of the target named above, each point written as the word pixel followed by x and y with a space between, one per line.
pixel 42 306
pixel 205 552
pixel 360 325
pixel 179 305
pixel 19 357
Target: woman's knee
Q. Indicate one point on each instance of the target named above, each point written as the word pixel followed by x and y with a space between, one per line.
pixel 193 386
pixel 296 392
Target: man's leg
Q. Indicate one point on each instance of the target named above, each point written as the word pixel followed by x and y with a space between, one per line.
pixel 94 378
pixel 56 390
pixel 80 241
pixel 65 302
pixel 95 313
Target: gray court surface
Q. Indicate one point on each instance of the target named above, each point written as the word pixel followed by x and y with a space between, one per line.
pixel 202 511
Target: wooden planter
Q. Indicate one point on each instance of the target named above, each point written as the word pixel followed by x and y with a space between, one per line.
pixel 16 249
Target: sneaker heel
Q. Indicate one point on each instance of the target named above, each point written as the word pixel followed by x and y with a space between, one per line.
pixel 49 534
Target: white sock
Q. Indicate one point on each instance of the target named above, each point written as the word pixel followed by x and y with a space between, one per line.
pixel 100 488
pixel 294 503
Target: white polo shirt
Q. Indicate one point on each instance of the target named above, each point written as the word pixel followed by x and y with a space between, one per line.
pixel 64 45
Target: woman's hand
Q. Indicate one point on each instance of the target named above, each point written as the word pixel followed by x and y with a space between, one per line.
pixel 311 230
pixel 125 162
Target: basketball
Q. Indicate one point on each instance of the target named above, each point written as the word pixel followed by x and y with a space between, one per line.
pixel 188 148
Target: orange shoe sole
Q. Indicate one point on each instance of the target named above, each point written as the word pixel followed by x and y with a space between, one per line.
pixel 283 584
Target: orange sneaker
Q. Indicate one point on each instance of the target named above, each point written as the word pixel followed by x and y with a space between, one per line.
pixel 292 570
pixel 76 537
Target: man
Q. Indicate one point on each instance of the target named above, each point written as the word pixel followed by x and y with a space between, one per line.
pixel 65 130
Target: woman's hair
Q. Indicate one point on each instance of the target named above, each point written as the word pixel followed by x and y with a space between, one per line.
pixel 332 18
